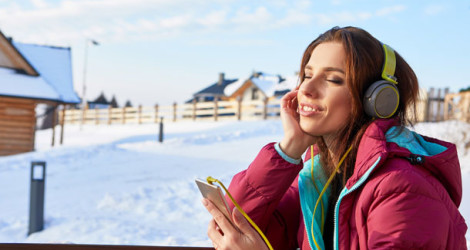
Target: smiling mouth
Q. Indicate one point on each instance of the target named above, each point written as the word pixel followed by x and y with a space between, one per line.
pixel 309 110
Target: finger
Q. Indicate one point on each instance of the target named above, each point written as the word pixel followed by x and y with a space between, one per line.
pixel 219 217
pixel 287 99
pixel 214 234
pixel 294 103
pixel 242 223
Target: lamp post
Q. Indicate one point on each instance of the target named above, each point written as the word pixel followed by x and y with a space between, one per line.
pixel 84 103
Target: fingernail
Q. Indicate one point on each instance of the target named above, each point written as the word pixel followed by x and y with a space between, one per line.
pixel 237 212
pixel 204 202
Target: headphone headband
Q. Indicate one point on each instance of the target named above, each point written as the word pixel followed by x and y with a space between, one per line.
pixel 388 71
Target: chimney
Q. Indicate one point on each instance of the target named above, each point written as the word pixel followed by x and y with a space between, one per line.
pixel 221 78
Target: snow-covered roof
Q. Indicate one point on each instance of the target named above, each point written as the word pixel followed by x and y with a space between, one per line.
pixel 266 83
pixel 234 86
pixel 22 85
pixel 55 81
pixel 273 84
pixel 289 83
pixel 270 84
pixel 216 88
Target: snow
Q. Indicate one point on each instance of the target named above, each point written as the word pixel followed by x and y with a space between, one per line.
pixel 22 85
pixel 54 82
pixel 234 86
pixel 118 185
pixel 267 83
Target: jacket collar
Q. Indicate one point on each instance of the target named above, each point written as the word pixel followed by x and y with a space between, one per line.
pixel 443 164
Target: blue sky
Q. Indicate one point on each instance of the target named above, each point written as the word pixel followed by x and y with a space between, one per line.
pixel 161 51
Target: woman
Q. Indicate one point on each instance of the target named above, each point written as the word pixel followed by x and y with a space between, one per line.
pixel 391 187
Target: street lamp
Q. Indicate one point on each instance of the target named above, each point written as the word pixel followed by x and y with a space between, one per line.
pixel 84 104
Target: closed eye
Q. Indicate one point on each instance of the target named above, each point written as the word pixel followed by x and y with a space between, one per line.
pixel 335 81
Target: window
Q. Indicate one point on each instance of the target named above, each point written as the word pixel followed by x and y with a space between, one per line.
pixel 254 94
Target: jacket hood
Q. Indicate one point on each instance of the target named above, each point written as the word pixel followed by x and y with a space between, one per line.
pixel 385 138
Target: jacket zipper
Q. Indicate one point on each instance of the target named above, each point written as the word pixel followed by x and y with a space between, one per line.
pixel 345 192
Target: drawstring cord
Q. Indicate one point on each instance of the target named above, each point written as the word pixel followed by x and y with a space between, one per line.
pixel 323 191
pixel 211 180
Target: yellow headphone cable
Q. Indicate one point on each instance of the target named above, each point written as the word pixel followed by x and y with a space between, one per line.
pixel 323 191
pixel 211 180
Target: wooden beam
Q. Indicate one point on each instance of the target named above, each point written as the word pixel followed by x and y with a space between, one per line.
pixel 16 100
pixel 15 135
pixel 21 124
pixel 19 130
pixel 15 58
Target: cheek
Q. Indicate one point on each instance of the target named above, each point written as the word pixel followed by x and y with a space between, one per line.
pixel 343 107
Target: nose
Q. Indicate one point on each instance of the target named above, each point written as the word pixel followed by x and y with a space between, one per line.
pixel 310 87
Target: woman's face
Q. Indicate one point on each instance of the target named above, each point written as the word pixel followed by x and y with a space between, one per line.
pixel 323 97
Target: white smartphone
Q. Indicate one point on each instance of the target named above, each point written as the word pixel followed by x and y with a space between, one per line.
pixel 214 194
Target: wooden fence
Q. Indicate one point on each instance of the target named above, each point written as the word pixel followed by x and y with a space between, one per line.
pixel 433 105
pixel 217 110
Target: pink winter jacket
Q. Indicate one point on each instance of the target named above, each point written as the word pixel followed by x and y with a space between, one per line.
pixel 393 200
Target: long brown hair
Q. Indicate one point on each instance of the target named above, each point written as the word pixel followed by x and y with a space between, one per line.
pixel 364 62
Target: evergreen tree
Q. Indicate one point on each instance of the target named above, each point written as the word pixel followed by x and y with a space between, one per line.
pixel 114 103
pixel 128 104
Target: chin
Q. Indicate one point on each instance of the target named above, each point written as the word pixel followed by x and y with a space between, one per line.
pixel 311 128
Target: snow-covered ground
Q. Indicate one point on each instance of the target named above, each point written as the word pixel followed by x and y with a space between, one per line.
pixel 118 185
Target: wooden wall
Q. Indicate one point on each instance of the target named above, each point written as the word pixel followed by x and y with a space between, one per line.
pixel 17 125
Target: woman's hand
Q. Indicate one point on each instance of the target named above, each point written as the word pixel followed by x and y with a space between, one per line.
pixel 224 235
pixel 295 140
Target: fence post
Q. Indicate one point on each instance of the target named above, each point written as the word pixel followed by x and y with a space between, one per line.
pixel 175 107
pixel 438 112
pixel 123 115
pixel 446 107
pixel 194 108
pixel 140 114
pixel 427 117
pixel 216 108
pixel 96 115
pixel 110 114
pixel 54 122
pixel 239 108
pixel 265 108
pixel 62 124
pixel 36 196
pixel 84 113
pixel 156 113
pixel 160 133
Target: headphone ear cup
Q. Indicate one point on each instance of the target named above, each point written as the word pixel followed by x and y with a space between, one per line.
pixel 381 99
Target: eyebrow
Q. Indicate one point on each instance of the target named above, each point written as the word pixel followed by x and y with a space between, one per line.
pixel 327 69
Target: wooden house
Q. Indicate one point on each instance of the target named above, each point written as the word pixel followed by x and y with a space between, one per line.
pixel 258 87
pixel 261 86
pixel 214 91
pixel 30 74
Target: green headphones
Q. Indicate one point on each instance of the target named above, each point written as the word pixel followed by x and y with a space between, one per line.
pixel 381 99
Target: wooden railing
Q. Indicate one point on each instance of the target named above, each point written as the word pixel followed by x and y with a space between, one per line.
pixel 21 246
pixel 217 110
pixel 457 106
pixel 433 105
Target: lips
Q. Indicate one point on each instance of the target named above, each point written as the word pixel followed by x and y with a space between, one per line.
pixel 306 109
